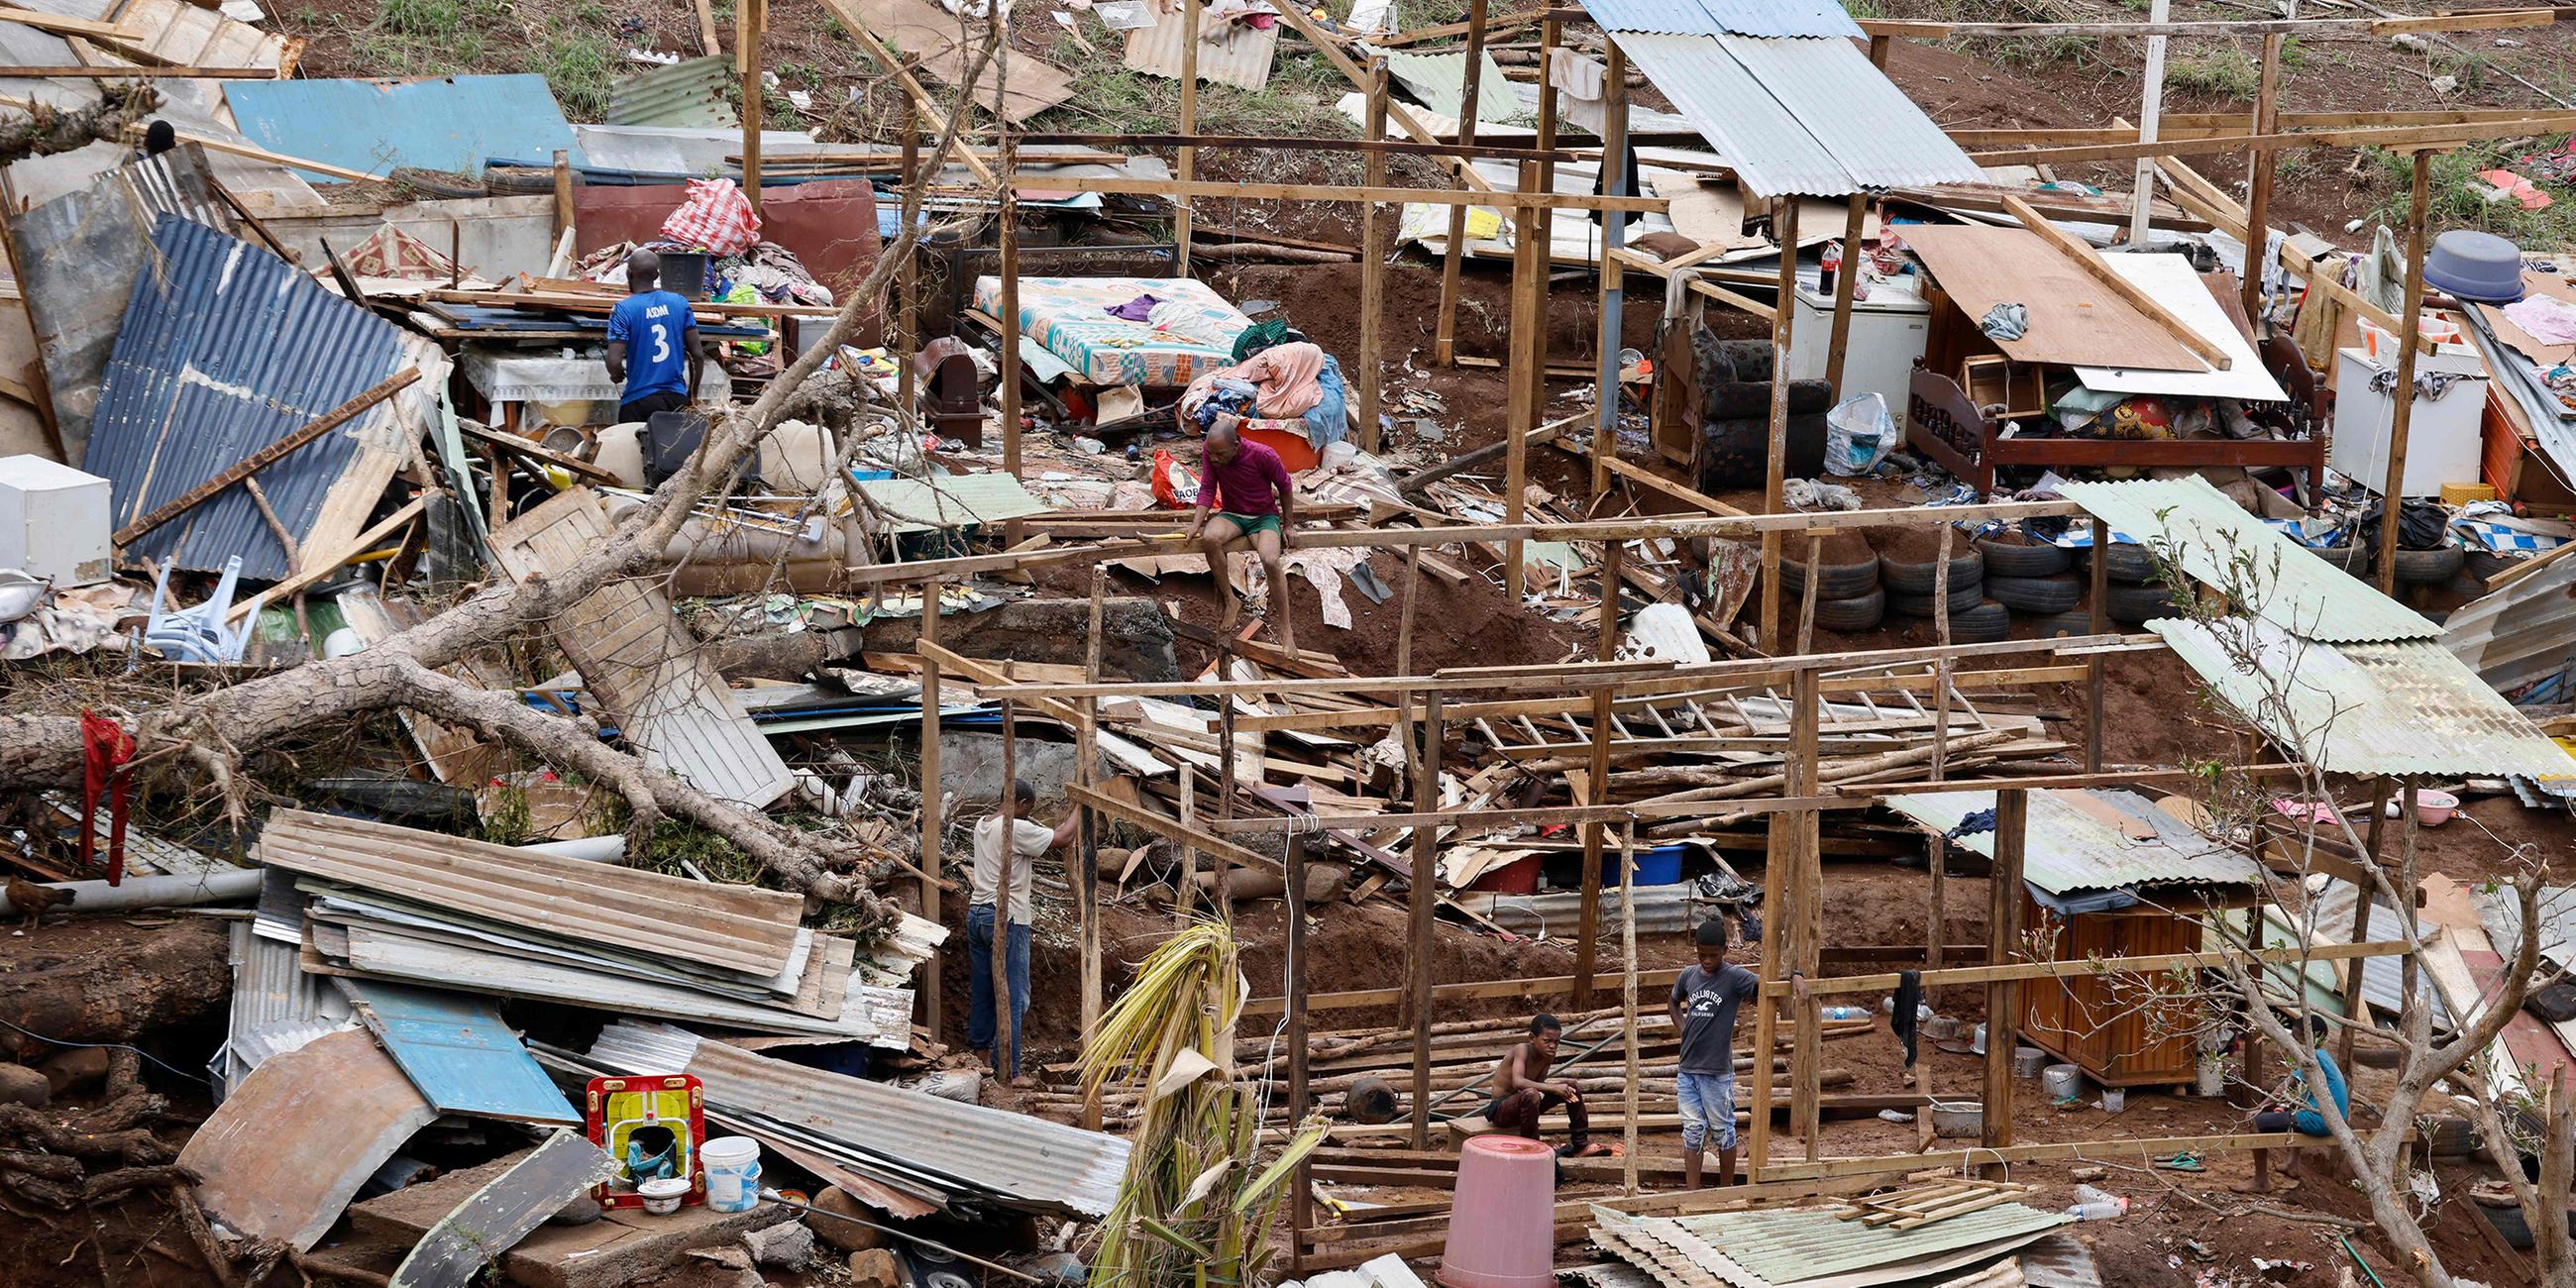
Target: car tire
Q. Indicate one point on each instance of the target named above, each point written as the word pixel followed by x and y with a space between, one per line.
pixel 2354 559
pixel 2012 559
pixel 2486 566
pixel 1833 580
pixel 2052 626
pixel 2131 564
pixel 2132 604
pixel 1963 596
pixel 2038 595
pixel 1918 578
pixel 1846 616
pixel 1985 623
pixel 2430 567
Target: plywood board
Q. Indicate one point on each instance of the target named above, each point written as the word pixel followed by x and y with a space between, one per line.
pixel 2533 283
pixel 495 1217
pixel 2171 281
pixel 2074 320
pixel 938 43
pixel 1242 58
pixel 1711 212
pixel 657 684
pixel 289 1149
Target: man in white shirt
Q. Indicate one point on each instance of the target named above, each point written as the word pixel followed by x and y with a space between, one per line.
pixel 1029 841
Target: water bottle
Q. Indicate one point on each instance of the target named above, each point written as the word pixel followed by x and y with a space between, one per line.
pixel 2098 1211
pixel 1846 1013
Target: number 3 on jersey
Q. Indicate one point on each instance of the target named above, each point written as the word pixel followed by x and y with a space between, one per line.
pixel 661 343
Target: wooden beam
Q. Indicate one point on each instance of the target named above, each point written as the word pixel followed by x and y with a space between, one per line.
pixel 81 72
pixel 2003 993
pixel 1377 144
pixel 270 455
pixel 2431 136
pixel 1173 829
pixel 1493 27
pixel 2147 964
pixel 2074 248
pixel 1187 159
pixel 310 573
pixel 2138 1147
pixel 66 25
pixel 931 795
pixel 2303 28
pixel 1121 184
pixel 262 154
pixel 1373 267
pixel 2109 778
pixel 2410 324
pixel 1424 890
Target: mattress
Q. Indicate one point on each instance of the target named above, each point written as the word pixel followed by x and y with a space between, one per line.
pixel 1069 315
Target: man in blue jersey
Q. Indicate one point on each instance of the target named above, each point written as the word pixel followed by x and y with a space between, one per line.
pixel 652 343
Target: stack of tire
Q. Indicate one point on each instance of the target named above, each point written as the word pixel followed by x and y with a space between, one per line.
pixel 2039 584
pixel 1912 588
pixel 1732 384
pixel 1848 596
pixel 2134 594
pixel 2414 567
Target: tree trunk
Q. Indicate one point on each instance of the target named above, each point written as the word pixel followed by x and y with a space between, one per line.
pixel 121 991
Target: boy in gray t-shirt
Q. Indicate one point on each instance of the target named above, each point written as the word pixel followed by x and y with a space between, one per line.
pixel 1704 1003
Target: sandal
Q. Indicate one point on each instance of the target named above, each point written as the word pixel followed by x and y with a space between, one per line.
pixel 2185 1161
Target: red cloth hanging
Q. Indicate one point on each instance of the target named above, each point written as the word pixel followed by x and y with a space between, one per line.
pixel 105 747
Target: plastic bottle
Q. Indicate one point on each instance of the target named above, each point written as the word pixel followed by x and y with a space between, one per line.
pixel 1833 265
pixel 2102 1211
pixel 1846 1013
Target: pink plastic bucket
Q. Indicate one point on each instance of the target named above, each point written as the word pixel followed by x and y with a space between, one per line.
pixel 1502 1226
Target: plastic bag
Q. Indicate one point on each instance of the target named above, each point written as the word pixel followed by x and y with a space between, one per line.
pixel 1859 434
pixel 1176 487
pixel 716 216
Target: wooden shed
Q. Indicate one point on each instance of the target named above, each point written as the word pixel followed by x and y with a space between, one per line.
pixel 2106 873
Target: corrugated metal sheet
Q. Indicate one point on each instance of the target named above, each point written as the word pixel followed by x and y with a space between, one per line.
pixel 284 1155
pixel 952 501
pixel 79 254
pixel 1028 1162
pixel 2517 636
pixel 2382 978
pixel 2500 911
pixel 1799 117
pixel 2405 708
pixel 727 927
pixel 1439 81
pixel 459 1055
pixel 2065 848
pixel 2216 541
pixel 1725 17
pixel 1661 909
pixel 453 124
pixel 1242 59
pixel 224 349
pixel 1772 1248
pixel 276 1005
pixel 686 93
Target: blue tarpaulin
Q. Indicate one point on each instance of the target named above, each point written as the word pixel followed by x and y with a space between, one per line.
pixel 453 124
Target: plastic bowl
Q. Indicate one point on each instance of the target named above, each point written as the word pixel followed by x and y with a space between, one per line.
pixel 2433 809
pixel 2475 266
pixel 662 1194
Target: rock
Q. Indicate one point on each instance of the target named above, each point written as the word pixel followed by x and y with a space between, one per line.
pixel 842 1234
pixel 20 1085
pixel 2086 1173
pixel 581 1211
pixel 875 1268
pixel 77 1067
pixel 788 1245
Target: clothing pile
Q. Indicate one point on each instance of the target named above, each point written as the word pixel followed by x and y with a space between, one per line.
pixel 1278 374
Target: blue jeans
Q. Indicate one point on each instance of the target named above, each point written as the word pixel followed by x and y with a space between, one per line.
pixel 979 967
pixel 1708 1109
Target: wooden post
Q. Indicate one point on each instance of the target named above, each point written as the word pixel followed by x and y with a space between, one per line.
pixel 1225 757
pixel 1424 893
pixel 2151 107
pixel 1845 286
pixel 1189 853
pixel 2361 898
pixel 1540 224
pixel 1006 1032
pixel 1444 342
pixel 751 22
pixel 1301 1203
pixel 1372 270
pixel 1596 785
pixel 1784 226
pixel 2410 324
pixel 1529 329
pixel 1614 299
pixel 2100 593
pixel 2003 938
pixel 1086 883
pixel 907 303
pixel 1009 358
pixel 1628 990
pixel 1804 936
pixel 930 797
pixel 563 194
pixel 1941 668
pixel 1188 158
pixel 1807 596
pixel 1936 930
pixel 2258 197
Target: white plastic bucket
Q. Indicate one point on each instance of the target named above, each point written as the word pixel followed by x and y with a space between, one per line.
pixel 733 1173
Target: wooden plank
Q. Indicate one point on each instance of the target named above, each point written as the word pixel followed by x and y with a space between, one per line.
pixel 1121 184
pixel 2431 137
pixel 82 72
pixel 2136 297
pixel 2305 28
pixel 1171 828
pixel 313 571
pixel 461 1246
pixel 232 148
pixel 1264 142
pixel 2133 1147
pixel 2070 320
pixel 2147 964
pixel 263 458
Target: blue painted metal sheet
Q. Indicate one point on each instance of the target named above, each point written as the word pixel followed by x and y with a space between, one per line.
pixel 459 1054
pixel 1725 17
pixel 452 124
pixel 225 349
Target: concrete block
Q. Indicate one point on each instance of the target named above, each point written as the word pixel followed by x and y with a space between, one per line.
pixel 54 521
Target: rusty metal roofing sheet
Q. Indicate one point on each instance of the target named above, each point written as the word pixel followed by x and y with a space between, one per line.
pixel 1024 1161
pixel 2067 847
pixel 225 349
pixel 2522 633
pixel 1775 1247
pixel 731 927
pixel 1725 17
pixel 2216 541
pixel 2401 708
pixel 686 93
pixel 1799 116
pixel 284 1154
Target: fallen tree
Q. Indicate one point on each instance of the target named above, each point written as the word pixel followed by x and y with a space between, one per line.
pixel 206 740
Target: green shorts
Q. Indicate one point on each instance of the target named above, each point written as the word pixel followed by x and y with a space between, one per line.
pixel 1248 524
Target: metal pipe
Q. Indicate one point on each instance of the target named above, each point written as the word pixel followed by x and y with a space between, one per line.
pixel 935 1246
pixel 154 892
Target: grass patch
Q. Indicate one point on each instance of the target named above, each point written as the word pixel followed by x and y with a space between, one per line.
pixel 2033 52
pixel 579 65
pixel 2229 72
pixel 2458 200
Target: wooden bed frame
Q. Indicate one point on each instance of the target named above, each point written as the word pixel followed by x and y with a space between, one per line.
pixel 1943 424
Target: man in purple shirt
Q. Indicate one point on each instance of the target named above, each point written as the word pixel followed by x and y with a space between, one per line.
pixel 1259 502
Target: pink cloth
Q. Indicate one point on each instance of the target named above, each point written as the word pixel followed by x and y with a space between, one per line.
pixel 1290 377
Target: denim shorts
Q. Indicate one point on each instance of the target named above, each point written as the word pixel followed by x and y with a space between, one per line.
pixel 1708 1109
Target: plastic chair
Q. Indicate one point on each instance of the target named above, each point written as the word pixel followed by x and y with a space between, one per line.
pixel 198 634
